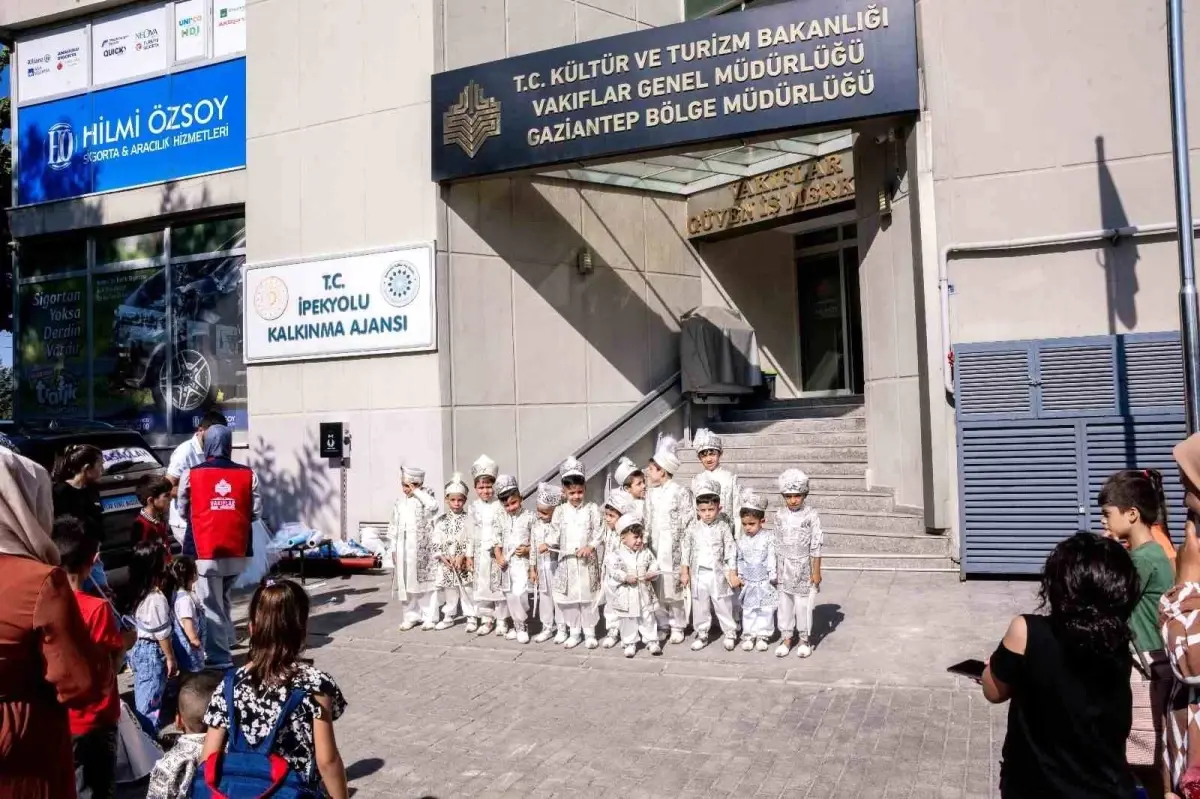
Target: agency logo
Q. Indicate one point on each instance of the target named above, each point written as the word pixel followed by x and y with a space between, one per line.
pixel 223 488
pixel 56 390
pixel 270 299
pixel 471 121
pixel 400 284
pixel 60 145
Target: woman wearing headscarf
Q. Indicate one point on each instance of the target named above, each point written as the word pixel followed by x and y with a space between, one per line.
pixel 47 659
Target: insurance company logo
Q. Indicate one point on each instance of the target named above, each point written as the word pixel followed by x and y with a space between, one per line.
pixel 400 284
pixel 232 15
pixel 60 145
pixel 113 47
pixel 271 299
pixel 37 66
pixel 471 121
pixel 190 26
pixel 55 389
pixel 147 39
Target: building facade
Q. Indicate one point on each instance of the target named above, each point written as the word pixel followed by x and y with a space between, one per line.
pixel 555 291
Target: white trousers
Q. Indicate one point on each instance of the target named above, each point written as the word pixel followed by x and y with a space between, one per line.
pixel 631 628
pixel 549 613
pixel 581 617
pixel 758 622
pixel 611 623
pixel 518 607
pixel 672 615
pixel 705 588
pixel 488 609
pixel 455 596
pixel 421 607
pixel 796 612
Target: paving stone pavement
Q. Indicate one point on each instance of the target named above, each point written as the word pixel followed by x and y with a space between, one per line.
pixel 872 713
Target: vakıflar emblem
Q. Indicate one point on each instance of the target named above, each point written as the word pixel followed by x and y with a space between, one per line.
pixel 472 120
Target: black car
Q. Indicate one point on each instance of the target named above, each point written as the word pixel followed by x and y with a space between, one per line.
pixel 127 459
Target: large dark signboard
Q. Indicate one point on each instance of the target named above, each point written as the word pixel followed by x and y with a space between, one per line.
pixel 799 64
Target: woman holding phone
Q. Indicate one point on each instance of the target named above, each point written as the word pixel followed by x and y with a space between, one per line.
pixel 1066 677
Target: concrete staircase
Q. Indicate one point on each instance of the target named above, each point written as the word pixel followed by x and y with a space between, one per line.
pixel 827 438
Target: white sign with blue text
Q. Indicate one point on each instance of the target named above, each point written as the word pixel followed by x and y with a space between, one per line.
pixel 366 303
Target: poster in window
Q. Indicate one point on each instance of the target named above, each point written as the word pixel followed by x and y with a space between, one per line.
pixel 229 27
pixel 129 46
pixel 52 64
pixel 191 29
pixel 53 349
pixel 207 366
pixel 129 345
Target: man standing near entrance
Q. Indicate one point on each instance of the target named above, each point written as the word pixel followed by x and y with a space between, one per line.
pixel 185 456
pixel 220 501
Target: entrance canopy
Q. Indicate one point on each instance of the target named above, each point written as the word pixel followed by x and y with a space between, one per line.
pixel 773 72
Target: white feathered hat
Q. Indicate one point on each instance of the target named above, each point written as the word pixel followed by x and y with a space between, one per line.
pixel 457 484
pixel 706 485
pixel 793 481
pixel 413 475
pixel 626 468
pixel 484 467
pixel 571 467
pixel 549 495
pixel 664 454
pixel 705 440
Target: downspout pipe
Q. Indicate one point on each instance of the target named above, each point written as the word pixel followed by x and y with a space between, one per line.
pixel 1111 235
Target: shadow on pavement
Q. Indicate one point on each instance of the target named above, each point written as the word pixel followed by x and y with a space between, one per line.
pixel 826 619
pixel 325 624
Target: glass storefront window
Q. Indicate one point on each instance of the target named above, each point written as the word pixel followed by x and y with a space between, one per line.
pixel 693 9
pixel 53 255
pixel 149 346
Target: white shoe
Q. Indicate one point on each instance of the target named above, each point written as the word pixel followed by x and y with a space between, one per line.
pixel 785 646
pixel 522 637
pixel 654 648
pixel 472 624
pixel 747 644
pixel 406 626
pixel 591 642
pixel 700 642
pixel 543 636
pixel 804 649
pixel 630 650
pixel 676 637
pixel 502 630
pixel 561 637
pixel 485 628
pixel 511 635
pixel 761 645
pixel 573 641
pixel 730 643
pixel 610 641
pixel 428 626
pixel 444 624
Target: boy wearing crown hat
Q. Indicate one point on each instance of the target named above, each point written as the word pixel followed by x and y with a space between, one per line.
pixel 510 554
pixel 798 540
pixel 631 478
pixel 577 580
pixel 709 450
pixel 544 538
pixel 669 511
pixel 410 532
pixel 481 522
pixel 452 544
pixel 631 572
pixel 756 569
pixel 711 566
pixel 617 503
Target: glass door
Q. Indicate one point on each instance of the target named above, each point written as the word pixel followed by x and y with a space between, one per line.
pixel 830 333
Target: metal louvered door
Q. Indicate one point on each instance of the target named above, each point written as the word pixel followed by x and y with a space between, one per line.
pixel 1041 426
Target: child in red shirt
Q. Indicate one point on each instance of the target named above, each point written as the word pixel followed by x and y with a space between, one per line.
pixel 93 727
pixel 154 492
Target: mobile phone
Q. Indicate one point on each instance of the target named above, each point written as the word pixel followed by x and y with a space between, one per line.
pixel 969 668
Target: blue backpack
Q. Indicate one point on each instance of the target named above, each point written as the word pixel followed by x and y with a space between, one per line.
pixel 243 771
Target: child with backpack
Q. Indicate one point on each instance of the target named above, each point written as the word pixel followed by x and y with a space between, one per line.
pixel 273 718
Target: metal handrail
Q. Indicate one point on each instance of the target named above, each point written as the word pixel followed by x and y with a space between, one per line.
pixel 670 391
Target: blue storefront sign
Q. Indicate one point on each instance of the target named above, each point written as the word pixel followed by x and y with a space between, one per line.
pixel 165 128
pixel 795 65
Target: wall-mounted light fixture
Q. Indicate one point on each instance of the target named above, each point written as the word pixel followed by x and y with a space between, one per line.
pixel 583 261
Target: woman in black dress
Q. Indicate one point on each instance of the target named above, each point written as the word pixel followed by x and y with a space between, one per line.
pixel 1066 676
